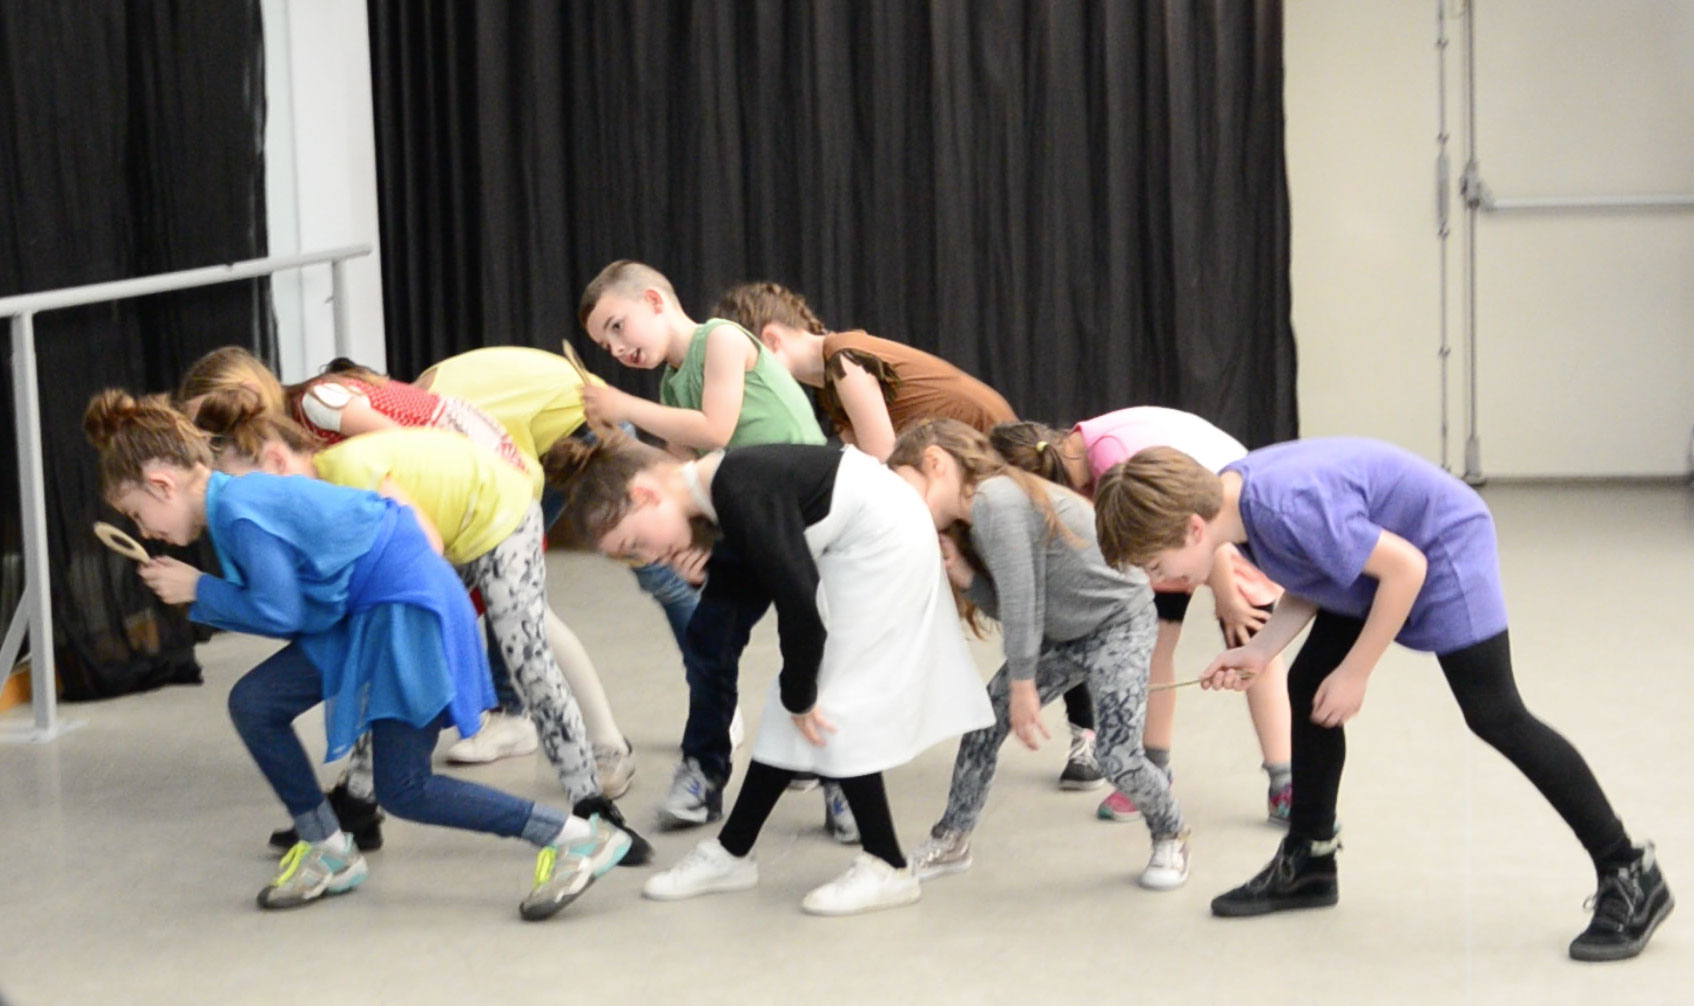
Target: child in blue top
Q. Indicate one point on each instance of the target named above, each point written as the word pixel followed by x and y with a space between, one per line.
pixel 1372 545
pixel 381 633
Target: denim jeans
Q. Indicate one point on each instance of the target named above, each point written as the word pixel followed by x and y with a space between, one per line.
pixel 264 705
pixel 729 607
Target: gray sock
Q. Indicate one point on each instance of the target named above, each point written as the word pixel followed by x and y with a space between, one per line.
pixel 1281 774
pixel 1160 757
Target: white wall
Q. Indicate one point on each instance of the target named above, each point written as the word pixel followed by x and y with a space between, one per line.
pixel 320 150
pixel 1586 321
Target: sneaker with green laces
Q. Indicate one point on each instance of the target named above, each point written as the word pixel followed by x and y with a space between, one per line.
pixel 310 870
pixel 562 873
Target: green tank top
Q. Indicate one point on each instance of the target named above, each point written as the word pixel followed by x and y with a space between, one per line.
pixel 774 409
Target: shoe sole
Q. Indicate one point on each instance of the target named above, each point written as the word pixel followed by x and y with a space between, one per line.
pixel 1269 908
pixel 836 913
pixel 1161 885
pixel 721 887
pixel 942 869
pixel 1116 818
pixel 1628 950
pixel 615 787
pixel 670 820
pixel 342 883
pixel 1080 785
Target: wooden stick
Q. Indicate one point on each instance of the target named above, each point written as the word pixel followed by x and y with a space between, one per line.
pixel 1183 684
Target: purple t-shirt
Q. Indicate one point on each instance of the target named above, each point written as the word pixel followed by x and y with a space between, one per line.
pixel 1314 509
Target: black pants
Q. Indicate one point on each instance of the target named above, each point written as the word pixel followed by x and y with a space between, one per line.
pixel 765 784
pixel 1481 679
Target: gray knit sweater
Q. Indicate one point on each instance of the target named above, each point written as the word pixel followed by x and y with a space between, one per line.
pixel 1045 589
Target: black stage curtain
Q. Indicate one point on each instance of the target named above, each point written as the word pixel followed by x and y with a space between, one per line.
pixel 1084 203
pixel 132 145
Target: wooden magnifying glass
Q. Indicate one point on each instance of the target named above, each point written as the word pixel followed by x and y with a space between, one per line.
pixel 115 539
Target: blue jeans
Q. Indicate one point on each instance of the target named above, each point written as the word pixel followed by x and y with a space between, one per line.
pixel 729 607
pixel 264 705
pixel 674 594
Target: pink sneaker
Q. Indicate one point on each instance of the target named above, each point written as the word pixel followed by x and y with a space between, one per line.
pixel 1118 807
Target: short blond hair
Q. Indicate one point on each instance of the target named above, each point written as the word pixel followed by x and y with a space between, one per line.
pixel 1142 506
pixel 625 277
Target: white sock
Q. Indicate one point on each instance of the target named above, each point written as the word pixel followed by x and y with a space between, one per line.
pixel 575 830
pixel 339 843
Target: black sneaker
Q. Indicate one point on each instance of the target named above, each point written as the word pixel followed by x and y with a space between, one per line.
pixel 360 818
pixel 1082 769
pixel 1295 878
pixel 640 850
pixel 1629 905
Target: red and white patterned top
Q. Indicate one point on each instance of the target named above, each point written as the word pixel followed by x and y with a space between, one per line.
pixel 319 409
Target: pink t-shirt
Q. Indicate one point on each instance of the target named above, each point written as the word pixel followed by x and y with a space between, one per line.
pixel 1119 436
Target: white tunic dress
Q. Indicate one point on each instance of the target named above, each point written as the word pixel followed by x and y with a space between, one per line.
pixel 896 676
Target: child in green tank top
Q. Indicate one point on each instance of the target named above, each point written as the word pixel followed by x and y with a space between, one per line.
pixel 721 388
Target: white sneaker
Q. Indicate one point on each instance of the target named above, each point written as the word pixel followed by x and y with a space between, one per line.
pixel 737 731
pixel 503 735
pixel 867 885
pixel 950 852
pixel 615 767
pixel 709 869
pixel 1167 868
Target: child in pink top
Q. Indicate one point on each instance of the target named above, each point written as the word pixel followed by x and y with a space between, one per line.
pixel 1243 595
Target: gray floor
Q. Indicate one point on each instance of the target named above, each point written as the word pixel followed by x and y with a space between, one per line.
pixel 133 846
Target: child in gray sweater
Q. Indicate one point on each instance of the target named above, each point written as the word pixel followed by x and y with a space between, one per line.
pixel 1031 561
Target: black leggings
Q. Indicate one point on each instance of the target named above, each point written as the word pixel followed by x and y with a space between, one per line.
pixel 765 784
pixel 1079 707
pixel 1481 679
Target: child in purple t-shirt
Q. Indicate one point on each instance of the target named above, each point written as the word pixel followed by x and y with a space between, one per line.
pixel 1372 545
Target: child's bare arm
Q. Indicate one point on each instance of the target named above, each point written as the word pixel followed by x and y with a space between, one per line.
pixel 728 356
pixel 1399 569
pixel 861 398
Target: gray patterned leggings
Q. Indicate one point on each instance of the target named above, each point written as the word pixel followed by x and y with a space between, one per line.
pixel 1114 663
pixel 513 579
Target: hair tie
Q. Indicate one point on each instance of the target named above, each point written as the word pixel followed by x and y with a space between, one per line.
pixel 1040 445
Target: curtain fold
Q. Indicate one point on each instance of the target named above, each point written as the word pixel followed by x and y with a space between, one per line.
pixel 1083 203
pixel 141 154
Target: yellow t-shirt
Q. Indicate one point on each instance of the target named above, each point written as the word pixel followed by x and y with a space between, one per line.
pixel 534 394
pixel 474 499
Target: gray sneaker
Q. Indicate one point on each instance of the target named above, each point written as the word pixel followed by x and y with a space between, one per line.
pixel 310 871
pixel 562 873
pixel 693 798
pixel 944 851
pixel 838 817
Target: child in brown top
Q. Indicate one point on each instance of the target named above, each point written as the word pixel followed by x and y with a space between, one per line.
pixel 873 389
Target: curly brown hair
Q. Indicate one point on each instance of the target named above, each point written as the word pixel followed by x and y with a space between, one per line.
pixel 132 433
pixel 755 305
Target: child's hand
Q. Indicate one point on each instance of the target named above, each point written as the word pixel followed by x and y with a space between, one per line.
pixel 1241 620
pixel 813 726
pixel 175 582
pixel 604 404
pixel 1339 697
pixel 691 565
pixel 959 572
pixel 1025 714
pixel 1234 669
